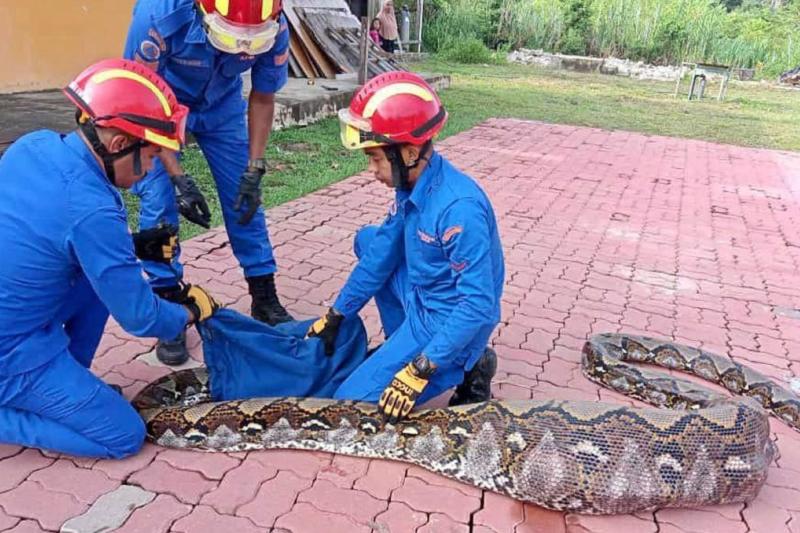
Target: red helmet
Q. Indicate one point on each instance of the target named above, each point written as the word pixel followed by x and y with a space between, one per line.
pixel 392 108
pixel 123 94
pixel 241 26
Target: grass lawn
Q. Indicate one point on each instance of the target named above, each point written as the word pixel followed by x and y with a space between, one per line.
pixel 305 159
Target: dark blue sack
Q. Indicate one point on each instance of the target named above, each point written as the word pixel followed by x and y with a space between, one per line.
pixel 249 359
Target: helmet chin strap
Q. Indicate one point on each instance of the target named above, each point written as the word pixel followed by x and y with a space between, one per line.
pixel 90 131
pixel 399 167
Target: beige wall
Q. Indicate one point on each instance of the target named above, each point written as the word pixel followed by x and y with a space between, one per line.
pixel 46 42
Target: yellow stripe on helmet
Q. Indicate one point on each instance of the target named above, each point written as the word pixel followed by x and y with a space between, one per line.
pixel 222 7
pixel 393 90
pixel 161 140
pixel 115 73
pixel 266 9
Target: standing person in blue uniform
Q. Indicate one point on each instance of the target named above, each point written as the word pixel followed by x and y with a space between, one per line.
pixel 201 48
pixel 68 260
pixel 435 266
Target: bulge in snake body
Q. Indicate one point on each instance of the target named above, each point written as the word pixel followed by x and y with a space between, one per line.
pixel 585 457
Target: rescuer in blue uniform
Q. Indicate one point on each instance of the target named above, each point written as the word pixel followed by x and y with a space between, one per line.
pixel 201 48
pixel 435 266
pixel 68 260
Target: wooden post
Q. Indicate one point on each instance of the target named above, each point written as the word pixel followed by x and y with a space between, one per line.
pixel 363 52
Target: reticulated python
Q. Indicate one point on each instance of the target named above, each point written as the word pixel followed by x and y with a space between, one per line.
pixel 698 448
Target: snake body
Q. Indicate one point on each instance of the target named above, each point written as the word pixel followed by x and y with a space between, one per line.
pixel 697 448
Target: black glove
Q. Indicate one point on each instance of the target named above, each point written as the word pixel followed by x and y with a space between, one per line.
pixel 327 328
pixel 249 193
pixel 191 202
pixel 156 244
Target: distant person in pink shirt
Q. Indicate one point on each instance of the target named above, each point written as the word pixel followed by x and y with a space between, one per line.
pixel 374 31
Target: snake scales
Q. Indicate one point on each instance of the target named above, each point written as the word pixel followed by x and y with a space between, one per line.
pixel 698 448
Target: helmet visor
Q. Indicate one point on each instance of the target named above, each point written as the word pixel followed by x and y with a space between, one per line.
pixel 232 38
pixel 173 139
pixel 356 132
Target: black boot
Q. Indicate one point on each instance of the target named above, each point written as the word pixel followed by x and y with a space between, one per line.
pixel 266 307
pixel 172 352
pixel 477 384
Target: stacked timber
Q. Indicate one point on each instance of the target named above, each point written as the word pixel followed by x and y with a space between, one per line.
pixel 325 41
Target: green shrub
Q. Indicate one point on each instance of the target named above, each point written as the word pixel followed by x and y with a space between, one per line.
pixel 468 50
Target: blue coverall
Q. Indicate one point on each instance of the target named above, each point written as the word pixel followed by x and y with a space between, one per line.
pixel 67 262
pixel 435 267
pixel 168 35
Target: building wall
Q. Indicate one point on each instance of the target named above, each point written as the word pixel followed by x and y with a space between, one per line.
pixel 47 42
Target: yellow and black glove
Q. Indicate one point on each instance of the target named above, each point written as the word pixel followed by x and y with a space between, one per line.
pixel 400 396
pixel 199 302
pixel 327 329
pixel 156 244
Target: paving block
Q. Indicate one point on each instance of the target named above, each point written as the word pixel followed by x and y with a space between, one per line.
pixel 694 521
pixel 239 486
pixel 305 518
pixel 161 478
pixel 344 471
pixel 27 526
pixel 276 497
pixel 541 520
pixel 6 521
pixel 26 501
pixel 358 505
pixel 17 468
pixel 205 519
pixel 211 466
pixel 611 524
pixel 499 513
pixel 382 478
pixel 122 468
pixel 397 518
pixel 304 464
pixel 442 523
pixel 427 498
pixel 109 511
pixel 64 476
pixel 156 516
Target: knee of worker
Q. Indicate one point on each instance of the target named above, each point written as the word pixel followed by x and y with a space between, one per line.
pixel 129 437
pixel 119 429
pixel 363 239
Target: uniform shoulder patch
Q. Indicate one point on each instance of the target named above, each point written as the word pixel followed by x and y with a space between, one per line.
pixel 149 50
pixel 451 232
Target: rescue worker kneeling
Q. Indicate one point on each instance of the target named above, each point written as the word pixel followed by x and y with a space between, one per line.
pixel 435 266
pixel 68 261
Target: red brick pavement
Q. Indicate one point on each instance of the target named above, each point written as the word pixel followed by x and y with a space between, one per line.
pixel 603 231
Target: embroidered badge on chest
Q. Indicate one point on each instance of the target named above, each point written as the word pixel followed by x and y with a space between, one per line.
pixel 424 237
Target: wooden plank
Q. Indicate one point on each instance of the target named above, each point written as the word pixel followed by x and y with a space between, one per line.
pixel 294 70
pixel 380 60
pixel 300 56
pixel 337 33
pixel 363 52
pixel 316 55
pixel 319 24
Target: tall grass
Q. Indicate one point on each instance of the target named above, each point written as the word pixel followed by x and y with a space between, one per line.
pixel 531 23
pixel 658 31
